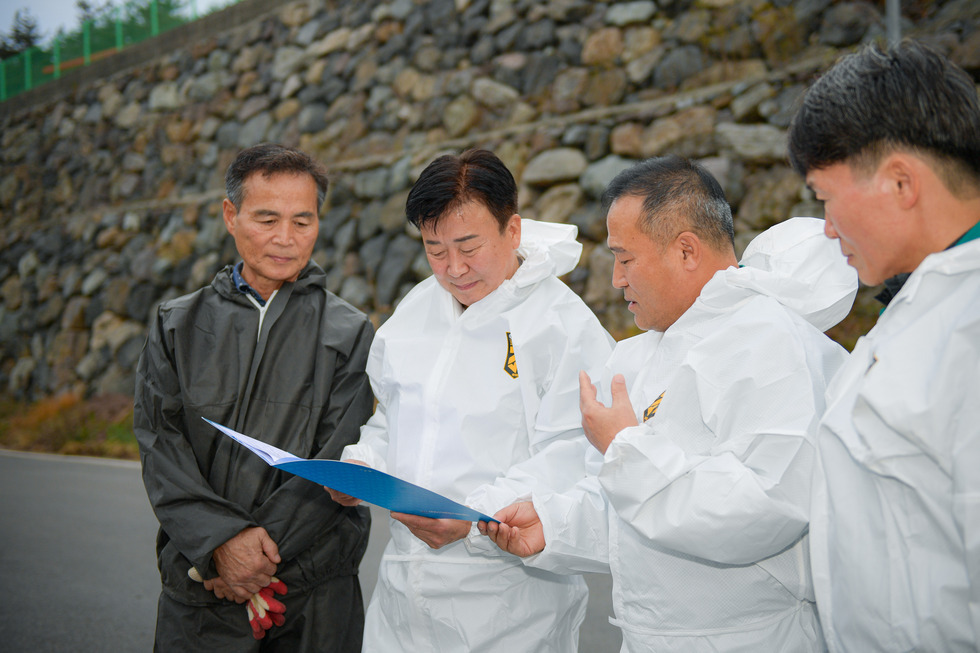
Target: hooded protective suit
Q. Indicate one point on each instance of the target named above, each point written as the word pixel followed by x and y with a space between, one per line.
pixel 464 397
pixel 700 512
pixel 895 527
pixel 295 379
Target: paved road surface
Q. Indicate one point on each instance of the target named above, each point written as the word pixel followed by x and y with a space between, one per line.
pixel 77 564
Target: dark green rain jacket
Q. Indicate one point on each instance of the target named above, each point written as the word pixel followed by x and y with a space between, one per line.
pixel 299 385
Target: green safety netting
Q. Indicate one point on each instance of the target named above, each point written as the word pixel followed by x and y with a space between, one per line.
pixel 115 28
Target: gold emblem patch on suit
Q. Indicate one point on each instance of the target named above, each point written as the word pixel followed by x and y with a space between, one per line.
pixel 510 364
pixel 652 408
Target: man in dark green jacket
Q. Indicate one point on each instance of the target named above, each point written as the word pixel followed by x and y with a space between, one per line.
pixel 268 351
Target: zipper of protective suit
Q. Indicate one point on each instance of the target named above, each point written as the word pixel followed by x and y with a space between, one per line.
pixel 434 386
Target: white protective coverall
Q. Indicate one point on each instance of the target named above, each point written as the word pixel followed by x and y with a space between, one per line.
pixel 463 397
pixel 700 512
pixel 895 530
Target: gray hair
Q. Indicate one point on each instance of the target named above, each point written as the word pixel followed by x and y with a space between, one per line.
pixel 678 195
pixel 270 159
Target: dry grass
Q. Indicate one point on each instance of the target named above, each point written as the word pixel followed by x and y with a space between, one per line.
pixel 68 424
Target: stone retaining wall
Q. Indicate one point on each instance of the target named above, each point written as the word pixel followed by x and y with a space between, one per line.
pixel 110 190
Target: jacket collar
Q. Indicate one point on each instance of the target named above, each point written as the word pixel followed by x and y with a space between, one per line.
pixel 895 284
pixel 312 277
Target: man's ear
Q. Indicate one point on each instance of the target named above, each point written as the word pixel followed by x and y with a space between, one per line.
pixel 229 213
pixel 513 230
pixel 689 250
pixel 901 174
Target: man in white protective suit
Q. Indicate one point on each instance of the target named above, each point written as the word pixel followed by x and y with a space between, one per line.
pixel 699 482
pixel 890 141
pixel 476 379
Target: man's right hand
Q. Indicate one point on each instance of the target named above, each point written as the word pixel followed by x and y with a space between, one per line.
pixel 519 531
pixel 340 497
pixel 222 589
pixel 601 423
pixel 247 562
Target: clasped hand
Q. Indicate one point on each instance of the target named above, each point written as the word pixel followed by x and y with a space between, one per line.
pixel 246 563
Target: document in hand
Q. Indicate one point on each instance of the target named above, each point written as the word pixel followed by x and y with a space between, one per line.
pixel 359 481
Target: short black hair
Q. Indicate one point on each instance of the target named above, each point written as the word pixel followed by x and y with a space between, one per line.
pixel 270 159
pixel 678 195
pixel 907 96
pixel 450 181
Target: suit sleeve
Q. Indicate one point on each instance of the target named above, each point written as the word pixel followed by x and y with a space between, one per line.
pixel 575 525
pixel 957 387
pixel 192 515
pixel 722 470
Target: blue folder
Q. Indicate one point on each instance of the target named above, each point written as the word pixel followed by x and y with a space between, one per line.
pixel 365 483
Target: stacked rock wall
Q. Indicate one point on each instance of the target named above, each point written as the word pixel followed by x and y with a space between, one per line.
pixel 110 189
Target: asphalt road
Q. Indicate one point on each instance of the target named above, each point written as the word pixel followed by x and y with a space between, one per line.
pixel 78 570
pixel 77 562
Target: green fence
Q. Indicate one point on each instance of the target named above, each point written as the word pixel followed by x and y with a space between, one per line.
pixel 122 25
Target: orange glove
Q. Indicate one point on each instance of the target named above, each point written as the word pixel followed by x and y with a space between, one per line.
pixel 265 611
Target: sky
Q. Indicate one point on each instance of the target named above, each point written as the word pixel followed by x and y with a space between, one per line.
pixel 52 14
